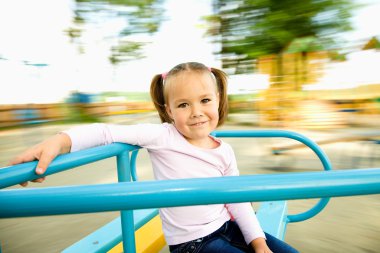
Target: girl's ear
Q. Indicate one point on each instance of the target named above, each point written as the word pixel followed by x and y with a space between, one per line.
pixel 168 111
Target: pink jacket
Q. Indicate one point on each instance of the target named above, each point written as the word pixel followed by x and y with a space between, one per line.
pixel 173 157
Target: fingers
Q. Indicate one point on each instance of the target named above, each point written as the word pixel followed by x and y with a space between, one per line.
pixel 39 180
pixel 32 154
pixel 44 152
pixel 44 160
pixel 27 156
pixel 24 157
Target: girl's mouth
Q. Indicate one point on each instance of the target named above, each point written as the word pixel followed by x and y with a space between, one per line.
pixel 198 123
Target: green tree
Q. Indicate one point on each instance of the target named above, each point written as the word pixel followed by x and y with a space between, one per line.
pixel 279 35
pixel 141 18
pixel 248 29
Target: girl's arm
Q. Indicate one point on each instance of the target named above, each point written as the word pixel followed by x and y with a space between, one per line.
pixel 87 136
pixel 93 135
pixel 244 214
pixel 245 217
pixel 77 138
pixel 61 143
pixel 259 245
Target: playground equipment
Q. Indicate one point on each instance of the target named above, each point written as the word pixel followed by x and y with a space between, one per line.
pixel 138 201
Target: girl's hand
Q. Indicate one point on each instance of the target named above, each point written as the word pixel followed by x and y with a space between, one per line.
pixel 260 246
pixel 44 152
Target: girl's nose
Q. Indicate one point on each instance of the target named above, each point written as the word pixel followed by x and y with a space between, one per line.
pixel 196 111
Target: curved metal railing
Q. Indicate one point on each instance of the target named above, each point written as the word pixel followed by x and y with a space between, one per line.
pixel 129 196
pixel 295 136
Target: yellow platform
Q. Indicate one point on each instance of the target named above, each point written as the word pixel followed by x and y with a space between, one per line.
pixel 149 238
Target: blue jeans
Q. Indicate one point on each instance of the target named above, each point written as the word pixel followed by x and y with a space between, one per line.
pixel 228 239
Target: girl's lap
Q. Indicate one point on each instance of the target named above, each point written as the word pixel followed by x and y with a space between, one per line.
pixel 229 239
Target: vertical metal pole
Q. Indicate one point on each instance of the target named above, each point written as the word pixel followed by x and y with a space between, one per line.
pixel 127 223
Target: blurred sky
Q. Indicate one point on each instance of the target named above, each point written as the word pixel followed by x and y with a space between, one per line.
pixel 39 65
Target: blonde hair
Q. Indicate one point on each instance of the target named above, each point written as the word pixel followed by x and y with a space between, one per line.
pixel 157 89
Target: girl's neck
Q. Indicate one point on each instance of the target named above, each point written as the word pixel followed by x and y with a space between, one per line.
pixel 206 143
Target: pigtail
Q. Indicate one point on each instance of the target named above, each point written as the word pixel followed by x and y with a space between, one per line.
pixel 221 82
pixel 157 95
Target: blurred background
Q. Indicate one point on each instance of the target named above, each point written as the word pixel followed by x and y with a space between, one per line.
pixel 308 66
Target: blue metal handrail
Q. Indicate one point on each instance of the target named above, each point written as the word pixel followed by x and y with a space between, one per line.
pixel 127 197
pixel 134 154
pixel 317 208
pixel 24 172
pixel 184 192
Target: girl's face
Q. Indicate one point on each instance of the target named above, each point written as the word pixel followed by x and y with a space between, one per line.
pixel 193 103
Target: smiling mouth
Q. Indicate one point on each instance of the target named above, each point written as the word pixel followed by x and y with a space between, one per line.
pixel 198 123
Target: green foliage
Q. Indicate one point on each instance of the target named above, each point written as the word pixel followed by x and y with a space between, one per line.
pixel 248 29
pixel 373 43
pixel 78 115
pixel 125 51
pixel 242 97
pixel 141 17
pixel 305 44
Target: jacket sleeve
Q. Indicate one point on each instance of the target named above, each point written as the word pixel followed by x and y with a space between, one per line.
pixel 92 135
pixel 243 213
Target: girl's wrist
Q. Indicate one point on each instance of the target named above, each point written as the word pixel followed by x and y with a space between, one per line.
pixel 258 242
pixel 65 142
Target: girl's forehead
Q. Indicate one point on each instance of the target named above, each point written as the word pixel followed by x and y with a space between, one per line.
pixel 189 83
pixel 191 79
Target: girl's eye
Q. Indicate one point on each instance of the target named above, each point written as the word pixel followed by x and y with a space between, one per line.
pixel 183 105
pixel 205 100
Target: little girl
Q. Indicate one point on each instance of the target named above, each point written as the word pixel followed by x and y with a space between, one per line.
pixel 191 100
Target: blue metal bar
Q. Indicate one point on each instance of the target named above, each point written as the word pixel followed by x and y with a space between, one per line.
pixel 127 168
pixel 106 237
pixel 295 136
pixel 133 165
pixel 184 192
pixel 25 172
pixel 127 223
pixel 278 133
pixel 273 217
